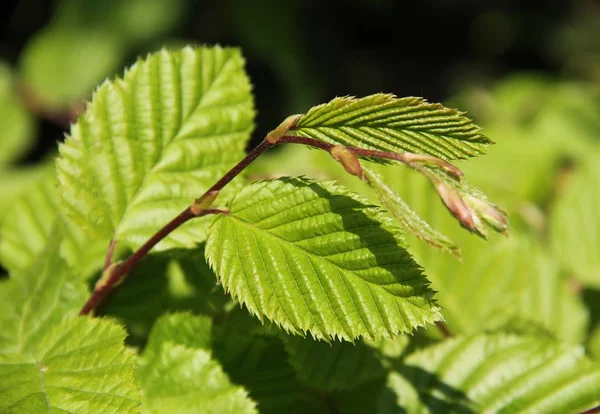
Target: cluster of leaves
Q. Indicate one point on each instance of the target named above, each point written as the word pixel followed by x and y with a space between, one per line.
pixel 327 283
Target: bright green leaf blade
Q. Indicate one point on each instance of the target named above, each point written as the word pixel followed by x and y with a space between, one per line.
pixel 178 374
pixel 144 149
pixel 16 124
pixel 77 365
pixel 335 366
pixel 28 225
pixel 181 328
pixel 407 217
pixel 186 380
pixel 497 281
pixel 551 299
pixel 385 122
pixel 313 257
pixel 575 224
pixel 37 298
pixel 496 373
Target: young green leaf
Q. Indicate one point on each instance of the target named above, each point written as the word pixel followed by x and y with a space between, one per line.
pixel 181 328
pixel 77 365
pixel 407 217
pixel 29 223
pixel 50 362
pixel 37 298
pixel 178 374
pixel 493 373
pixel 313 257
pixel 335 366
pixel 152 142
pixel 575 224
pixel 385 122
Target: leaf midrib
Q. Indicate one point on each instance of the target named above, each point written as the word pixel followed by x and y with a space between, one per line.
pixel 150 171
pixel 352 272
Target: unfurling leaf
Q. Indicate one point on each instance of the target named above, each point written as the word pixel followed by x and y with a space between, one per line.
pixel 407 217
pixel 152 142
pixel 468 205
pixel 313 257
pixel 388 123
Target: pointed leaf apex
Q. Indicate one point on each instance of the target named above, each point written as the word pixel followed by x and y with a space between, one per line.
pixel 456 205
pixel 491 214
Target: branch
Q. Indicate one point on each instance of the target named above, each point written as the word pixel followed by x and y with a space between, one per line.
pixel 470 211
pixel 115 274
pixel 415 161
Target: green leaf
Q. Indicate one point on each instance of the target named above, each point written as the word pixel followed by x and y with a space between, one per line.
pixel 186 380
pixel 62 64
pixel 37 298
pixel 261 365
pixel 14 182
pixel 16 124
pixel 550 298
pixel 407 217
pixel 77 365
pixel 575 225
pixel 144 149
pixel 28 224
pixel 181 328
pixel 86 41
pixel 162 283
pixel 497 280
pixel 50 361
pixel 385 122
pixel 313 257
pixel 496 373
pixel 335 366
pixel 503 280
pixel 178 374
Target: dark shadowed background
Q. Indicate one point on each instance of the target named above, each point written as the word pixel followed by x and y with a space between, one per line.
pixel 299 53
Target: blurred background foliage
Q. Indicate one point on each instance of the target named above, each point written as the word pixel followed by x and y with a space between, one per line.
pixel 528 72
